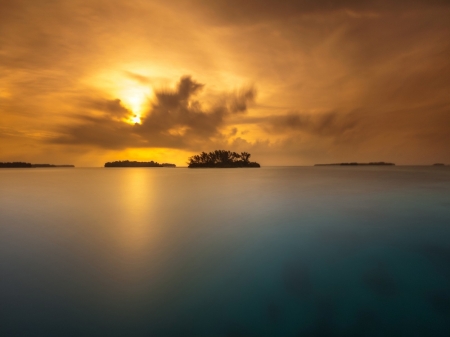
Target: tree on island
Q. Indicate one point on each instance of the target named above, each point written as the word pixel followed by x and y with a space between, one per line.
pixel 221 158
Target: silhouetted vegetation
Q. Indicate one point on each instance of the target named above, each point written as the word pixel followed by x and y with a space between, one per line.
pixel 19 164
pixel 221 158
pixel 50 165
pixel 379 163
pixel 127 163
pixel 16 164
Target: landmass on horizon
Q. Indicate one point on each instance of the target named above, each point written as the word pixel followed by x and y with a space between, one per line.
pixel 18 164
pixel 221 159
pixel 380 163
pixel 127 163
pixel 215 159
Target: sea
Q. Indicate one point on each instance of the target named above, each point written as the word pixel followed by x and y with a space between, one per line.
pixel 275 251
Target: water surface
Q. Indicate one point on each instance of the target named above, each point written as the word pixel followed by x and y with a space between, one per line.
pixel 300 251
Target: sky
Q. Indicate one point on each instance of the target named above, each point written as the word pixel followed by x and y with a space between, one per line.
pixel 292 82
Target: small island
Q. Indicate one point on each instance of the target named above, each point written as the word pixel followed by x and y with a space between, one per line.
pixel 221 159
pixel 50 165
pixel 127 163
pixel 18 164
pixel 379 163
pixel 15 164
pixel 439 164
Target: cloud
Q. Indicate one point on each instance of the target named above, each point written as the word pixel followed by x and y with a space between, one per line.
pixel 138 78
pixel 113 108
pixel 233 132
pixel 335 78
pixel 257 11
pixel 176 119
pixel 239 100
pixel 325 124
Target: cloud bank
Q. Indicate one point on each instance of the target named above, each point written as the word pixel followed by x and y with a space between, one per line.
pixel 176 119
pixel 337 81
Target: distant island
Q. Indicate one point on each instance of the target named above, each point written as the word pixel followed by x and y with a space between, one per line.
pixel 18 164
pixel 127 163
pixel 221 159
pixel 439 164
pixel 15 164
pixel 50 165
pixel 380 163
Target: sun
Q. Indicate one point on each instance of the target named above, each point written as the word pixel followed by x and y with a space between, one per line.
pixel 136 119
pixel 135 98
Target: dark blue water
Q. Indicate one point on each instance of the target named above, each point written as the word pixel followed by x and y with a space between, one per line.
pixel 313 251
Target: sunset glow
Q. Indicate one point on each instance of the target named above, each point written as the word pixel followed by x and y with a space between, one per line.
pixel 351 82
pixel 136 98
pixel 136 119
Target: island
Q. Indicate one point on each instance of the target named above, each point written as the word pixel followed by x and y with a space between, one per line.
pixel 15 164
pixel 439 164
pixel 127 163
pixel 380 163
pixel 18 164
pixel 50 165
pixel 221 159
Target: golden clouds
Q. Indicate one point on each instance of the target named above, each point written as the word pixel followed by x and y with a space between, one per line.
pixel 77 76
pixel 175 119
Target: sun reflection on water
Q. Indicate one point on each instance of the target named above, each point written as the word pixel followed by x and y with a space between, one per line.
pixel 137 224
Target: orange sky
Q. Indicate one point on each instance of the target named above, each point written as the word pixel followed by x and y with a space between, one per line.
pixel 292 82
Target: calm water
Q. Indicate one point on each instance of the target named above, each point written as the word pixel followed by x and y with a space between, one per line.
pixel 329 251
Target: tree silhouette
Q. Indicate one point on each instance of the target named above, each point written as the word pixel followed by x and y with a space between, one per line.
pixel 221 158
pixel 245 156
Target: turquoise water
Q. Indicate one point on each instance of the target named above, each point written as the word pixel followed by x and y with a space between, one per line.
pixel 301 251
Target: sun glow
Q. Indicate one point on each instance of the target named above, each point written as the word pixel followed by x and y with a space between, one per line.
pixel 136 119
pixel 133 87
pixel 136 99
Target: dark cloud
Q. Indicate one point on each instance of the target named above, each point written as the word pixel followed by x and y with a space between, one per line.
pixel 325 124
pixel 175 120
pixel 239 100
pixel 424 125
pixel 103 132
pixel 251 11
pixel 113 108
pixel 233 132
